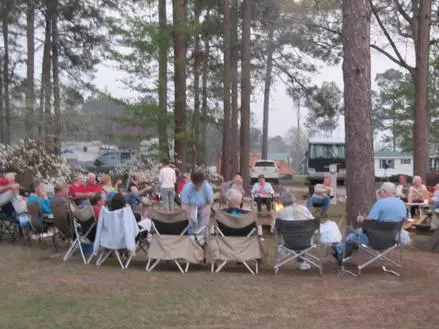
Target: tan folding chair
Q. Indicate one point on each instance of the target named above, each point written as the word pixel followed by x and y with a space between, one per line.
pixel 234 239
pixel 170 241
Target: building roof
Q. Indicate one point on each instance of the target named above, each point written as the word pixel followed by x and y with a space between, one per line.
pixel 326 140
pixel 392 154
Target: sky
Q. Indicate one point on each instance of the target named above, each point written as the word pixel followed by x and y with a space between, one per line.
pixel 283 114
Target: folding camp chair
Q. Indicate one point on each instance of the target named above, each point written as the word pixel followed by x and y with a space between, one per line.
pixel 234 239
pixel 296 240
pixel 68 224
pixel 116 235
pixel 36 222
pixel 383 238
pixel 170 241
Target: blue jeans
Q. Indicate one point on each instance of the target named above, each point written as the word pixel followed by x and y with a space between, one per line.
pixel 319 202
pixel 133 199
pixel 352 240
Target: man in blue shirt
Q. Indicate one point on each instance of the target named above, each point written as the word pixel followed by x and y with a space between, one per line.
pixel 198 198
pixel 388 208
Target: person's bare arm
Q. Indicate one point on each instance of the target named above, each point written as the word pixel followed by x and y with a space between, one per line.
pixel 410 196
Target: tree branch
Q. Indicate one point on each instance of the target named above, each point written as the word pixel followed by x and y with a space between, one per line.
pixel 393 59
pixel 403 12
pixel 400 60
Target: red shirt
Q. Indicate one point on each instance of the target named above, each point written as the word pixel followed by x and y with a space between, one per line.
pixel 93 188
pixel 97 210
pixel 75 189
pixel 4 182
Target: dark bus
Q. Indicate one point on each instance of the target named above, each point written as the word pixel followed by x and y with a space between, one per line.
pixel 323 152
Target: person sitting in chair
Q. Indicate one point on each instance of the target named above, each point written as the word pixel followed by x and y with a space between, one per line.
pixel 263 193
pixel 234 200
pixel 402 191
pixel 321 197
pixel 388 208
pixel 291 212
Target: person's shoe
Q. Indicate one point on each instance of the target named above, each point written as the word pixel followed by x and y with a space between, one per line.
pixel 304 266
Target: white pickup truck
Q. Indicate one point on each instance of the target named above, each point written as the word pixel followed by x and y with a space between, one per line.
pixel 268 168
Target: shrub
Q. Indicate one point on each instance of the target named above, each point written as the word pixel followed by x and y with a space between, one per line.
pixel 30 158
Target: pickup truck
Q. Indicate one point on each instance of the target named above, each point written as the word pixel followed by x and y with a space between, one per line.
pixel 109 161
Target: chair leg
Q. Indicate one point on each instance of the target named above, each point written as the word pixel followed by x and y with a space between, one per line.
pixel 147 264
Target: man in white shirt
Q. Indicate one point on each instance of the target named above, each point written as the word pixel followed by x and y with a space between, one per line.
pixel 167 180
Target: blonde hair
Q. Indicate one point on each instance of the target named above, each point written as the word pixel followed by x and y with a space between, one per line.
pixel 106 180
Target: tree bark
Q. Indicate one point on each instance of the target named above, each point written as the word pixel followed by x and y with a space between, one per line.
pixel 2 109
pixel 6 78
pixel 56 83
pixel 358 107
pixel 30 66
pixel 204 105
pixel 245 93
pixel 45 107
pixel 267 89
pixel 421 125
pixel 225 158
pixel 197 72
pixel 234 57
pixel 180 39
pixel 163 82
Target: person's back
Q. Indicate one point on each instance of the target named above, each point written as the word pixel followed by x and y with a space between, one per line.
pixel 294 212
pixel 391 209
pixel 167 177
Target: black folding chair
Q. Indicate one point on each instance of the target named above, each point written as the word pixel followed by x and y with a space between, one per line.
pixel 383 239
pixel 297 239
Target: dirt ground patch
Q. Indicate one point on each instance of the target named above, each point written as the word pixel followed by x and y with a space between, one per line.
pixel 40 291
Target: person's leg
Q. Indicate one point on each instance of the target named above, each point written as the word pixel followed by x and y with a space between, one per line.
pixel 310 203
pixel 85 226
pixel 325 208
pixel 268 203
pixel 171 198
pixel 259 204
pixel 164 194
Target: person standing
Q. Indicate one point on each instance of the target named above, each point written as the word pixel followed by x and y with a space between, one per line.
pixel 197 198
pixel 167 180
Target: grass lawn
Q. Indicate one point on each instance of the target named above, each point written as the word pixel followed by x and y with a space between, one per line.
pixel 39 291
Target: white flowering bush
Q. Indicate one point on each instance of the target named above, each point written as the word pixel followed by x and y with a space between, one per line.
pixel 142 164
pixel 31 158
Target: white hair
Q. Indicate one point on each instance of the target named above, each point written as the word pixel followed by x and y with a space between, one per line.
pixel 388 187
pixel 91 175
pixel 234 196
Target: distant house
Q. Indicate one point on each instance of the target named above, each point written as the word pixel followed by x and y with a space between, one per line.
pixel 390 163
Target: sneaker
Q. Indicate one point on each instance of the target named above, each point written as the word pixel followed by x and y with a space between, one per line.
pixel 304 266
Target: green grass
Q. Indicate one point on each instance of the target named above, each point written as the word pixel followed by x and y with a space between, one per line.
pixel 40 291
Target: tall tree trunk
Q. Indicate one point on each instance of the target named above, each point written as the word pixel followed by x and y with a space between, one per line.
pixel 225 158
pixel 30 66
pixel 245 93
pixel 56 84
pixel 234 56
pixel 163 82
pixel 6 80
pixel 197 72
pixel 2 109
pixel 204 106
pixel 180 17
pixel 421 126
pixel 45 82
pixel 267 89
pixel 358 107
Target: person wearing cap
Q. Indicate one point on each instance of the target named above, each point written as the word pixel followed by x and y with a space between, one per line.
pixel 292 212
pixel 263 193
pixel 388 208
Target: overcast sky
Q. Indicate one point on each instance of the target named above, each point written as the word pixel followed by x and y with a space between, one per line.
pixel 282 111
